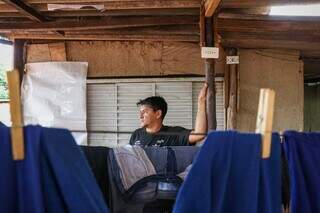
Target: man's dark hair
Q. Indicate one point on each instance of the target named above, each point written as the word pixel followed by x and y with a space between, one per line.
pixel 156 103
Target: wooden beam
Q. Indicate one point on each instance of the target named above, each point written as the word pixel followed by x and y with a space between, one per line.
pixel 262 17
pixel 238 25
pixel 178 3
pixel 313 55
pixel 253 10
pixel 111 37
pixel 118 5
pixel 131 12
pixel 278 36
pixel 262 3
pixel 210 77
pixel 270 44
pixel 27 10
pixel 108 23
pixel 153 30
pixel 211 6
pixel 233 92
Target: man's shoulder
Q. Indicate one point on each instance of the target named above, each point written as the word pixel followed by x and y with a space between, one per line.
pixel 138 131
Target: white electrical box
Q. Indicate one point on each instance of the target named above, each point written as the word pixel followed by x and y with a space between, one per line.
pixel 232 59
pixel 209 52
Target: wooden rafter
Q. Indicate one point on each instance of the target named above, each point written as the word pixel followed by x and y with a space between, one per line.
pixel 262 17
pixel 211 6
pixel 238 25
pixel 257 43
pixel 110 37
pixel 119 5
pixel 109 23
pixel 262 3
pixel 27 10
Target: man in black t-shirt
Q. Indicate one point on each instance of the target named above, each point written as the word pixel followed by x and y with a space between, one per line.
pixel 154 133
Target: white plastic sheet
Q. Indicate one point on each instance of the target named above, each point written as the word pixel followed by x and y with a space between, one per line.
pixel 54 95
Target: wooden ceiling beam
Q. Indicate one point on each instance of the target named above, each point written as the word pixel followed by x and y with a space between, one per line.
pixel 211 6
pixel 132 12
pixel 253 10
pixel 262 17
pixel 108 23
pixel 279 36
pixel 131 37
pixel 119 5
pixel 29 12
pixel 225 3
pixel 237 25
pixel 270 44
pixel 262 3
pixel 26 10
pixel 41 5
pixel 157 30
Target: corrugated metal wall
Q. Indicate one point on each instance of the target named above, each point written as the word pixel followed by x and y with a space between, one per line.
pixel 112 106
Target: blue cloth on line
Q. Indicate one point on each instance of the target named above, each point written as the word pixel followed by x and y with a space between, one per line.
pixel 302 152
pixel 226 176
pixel 73 177
pixel 270 179
pixel 20 181
pixel 53 177
pixel 2 124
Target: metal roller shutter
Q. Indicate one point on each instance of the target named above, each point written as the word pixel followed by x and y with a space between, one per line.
pixel 112 105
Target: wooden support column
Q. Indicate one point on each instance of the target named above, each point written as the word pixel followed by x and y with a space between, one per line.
pixel 233 88
pixel 18 56
pixel 210 77
pixel 208 36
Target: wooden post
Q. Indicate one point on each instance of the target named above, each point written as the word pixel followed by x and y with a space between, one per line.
pixel 265 119
pixel 17 141
pixel 210 77
pixel 232 102
pixel 208 28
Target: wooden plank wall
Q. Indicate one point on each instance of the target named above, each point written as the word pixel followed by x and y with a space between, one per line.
pixel 135 58
pixel 46 52
pixel 278 70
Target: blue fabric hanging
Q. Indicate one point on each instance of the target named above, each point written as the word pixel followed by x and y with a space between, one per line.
pixel 53 177
pixel 270 179
pixel 303 155
pixel 72 175
pixel 20 181
pixel 227 177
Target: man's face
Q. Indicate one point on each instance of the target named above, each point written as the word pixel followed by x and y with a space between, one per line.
pixel 148 116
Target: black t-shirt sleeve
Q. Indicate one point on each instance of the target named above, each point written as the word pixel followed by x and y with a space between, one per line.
pixel 182 139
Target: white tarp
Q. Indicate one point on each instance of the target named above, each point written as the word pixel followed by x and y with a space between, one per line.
pixel 5 113
pixel 54 95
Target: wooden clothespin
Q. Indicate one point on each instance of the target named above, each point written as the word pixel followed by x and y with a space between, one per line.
pixel 17 142
pixel 265 119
